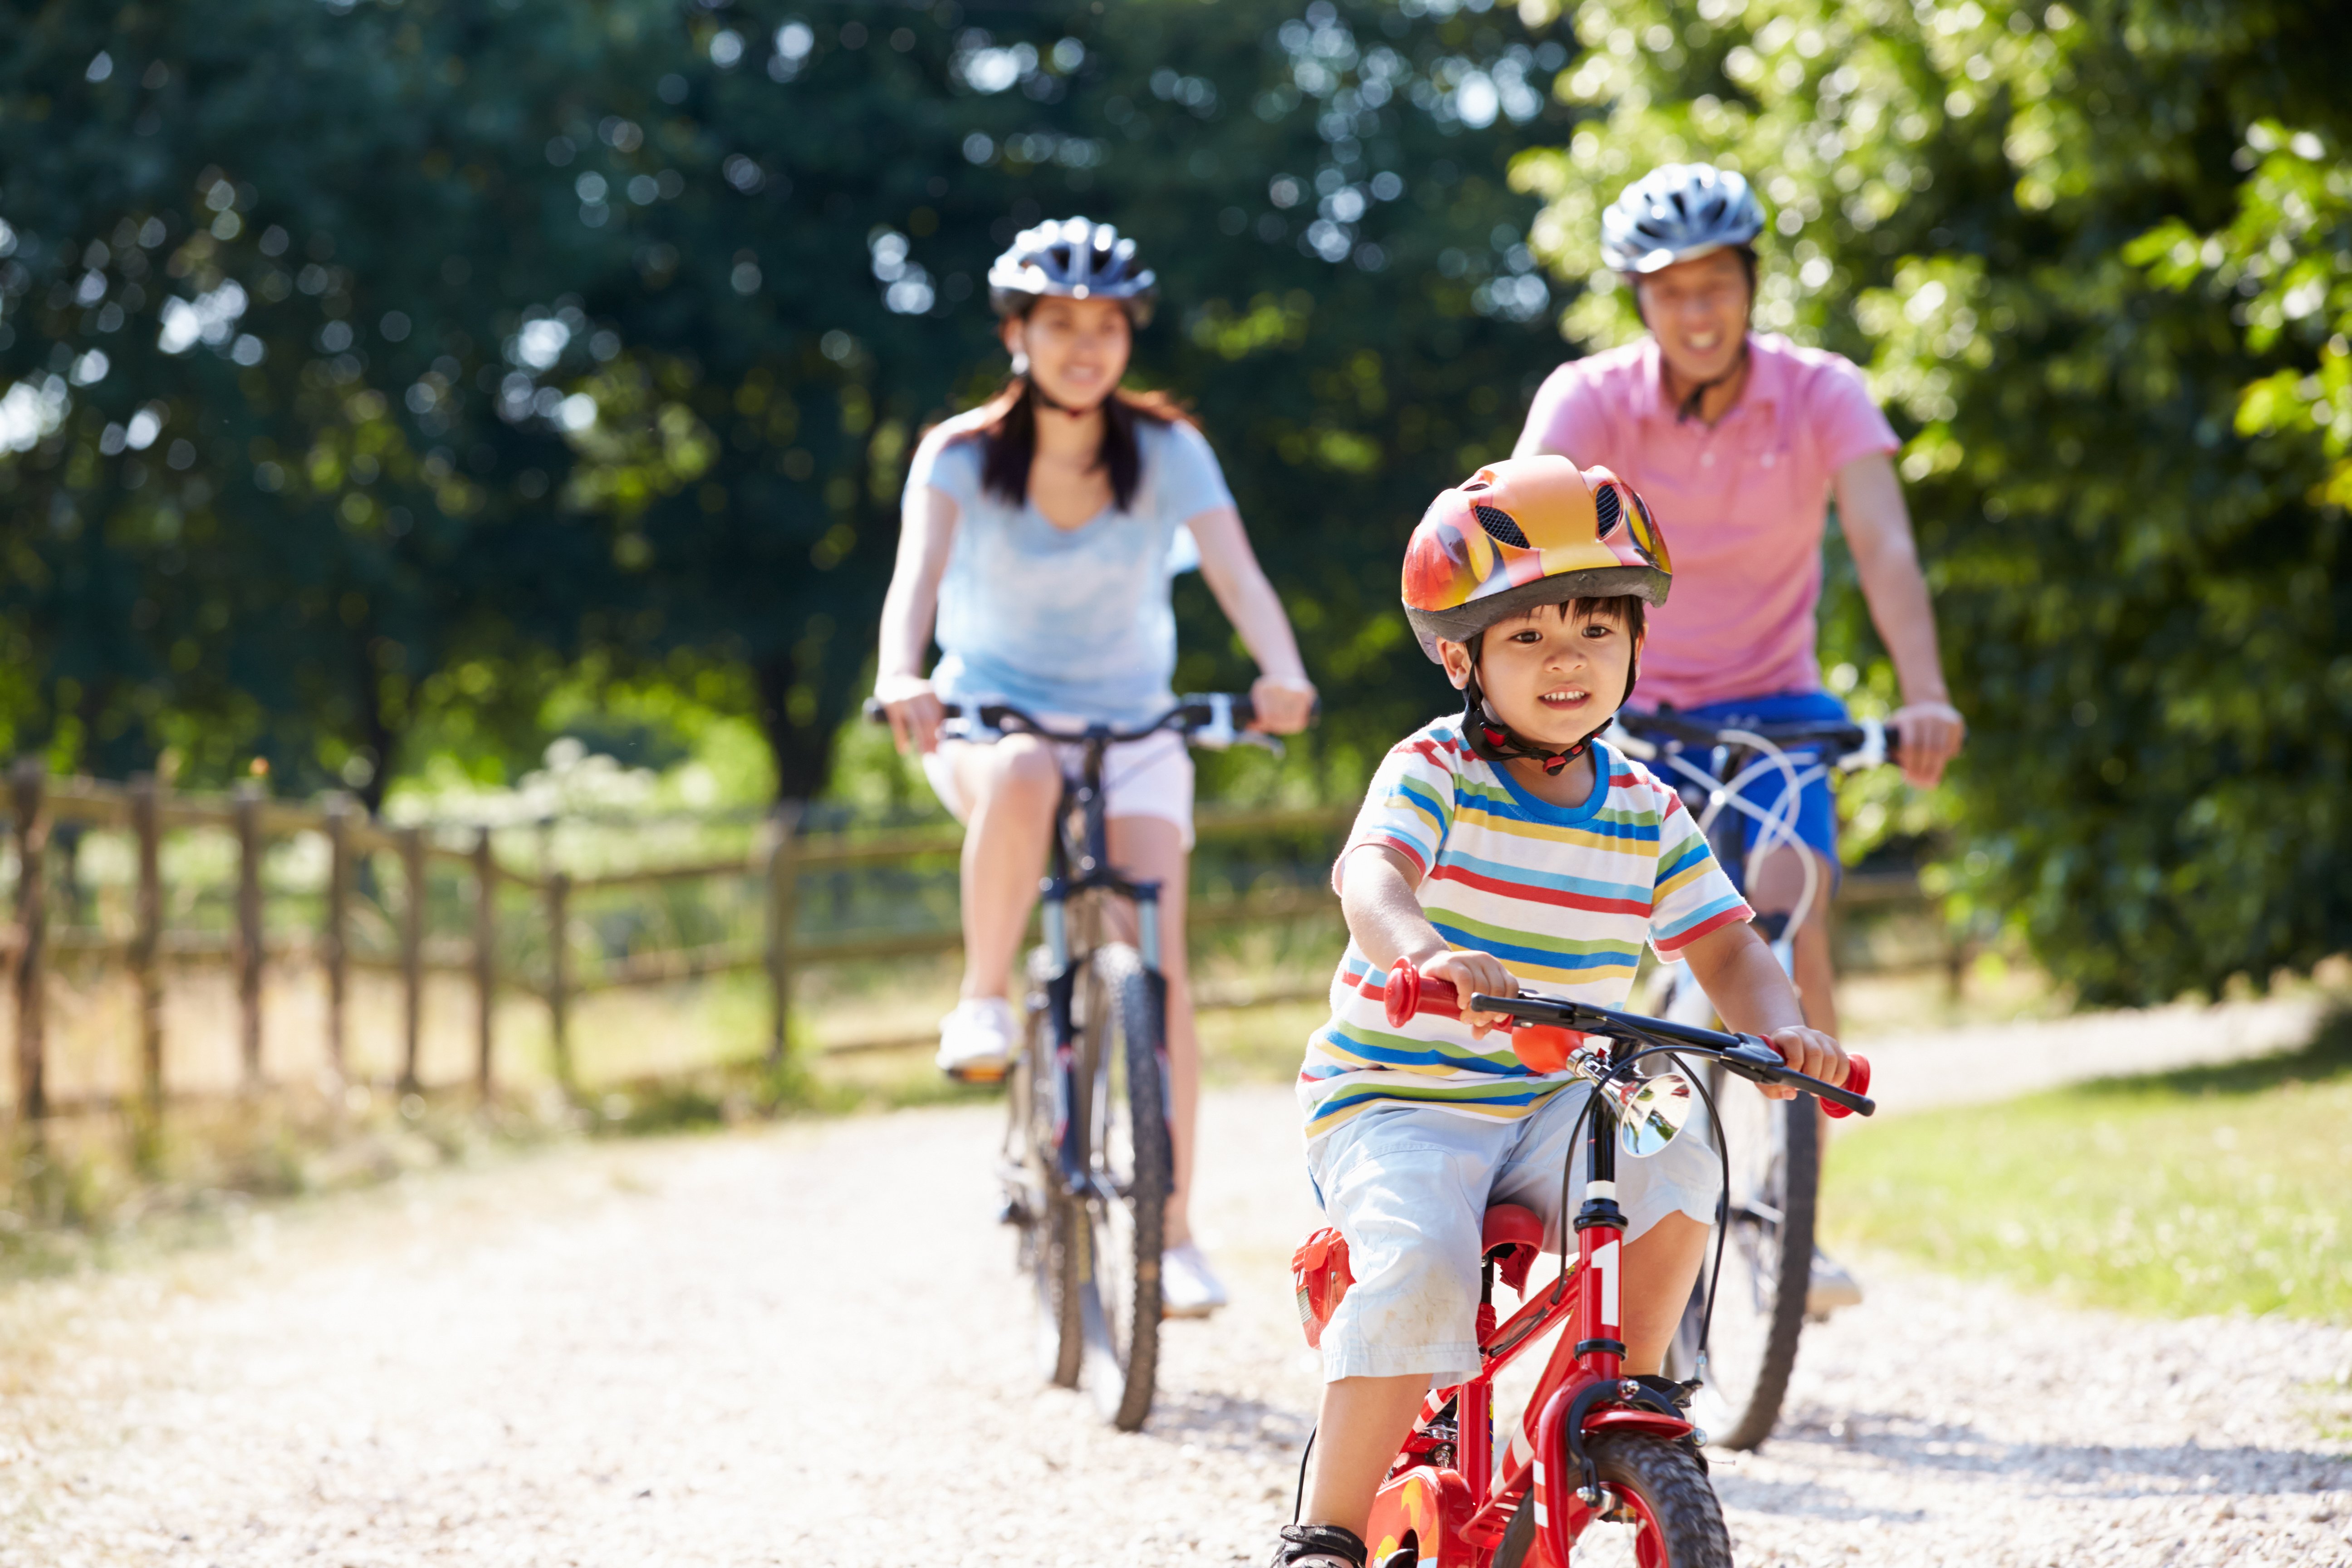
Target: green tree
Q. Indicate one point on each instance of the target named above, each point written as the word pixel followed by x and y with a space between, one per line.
pixel 2141 579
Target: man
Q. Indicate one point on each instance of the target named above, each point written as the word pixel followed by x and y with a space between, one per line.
pixel 1738 439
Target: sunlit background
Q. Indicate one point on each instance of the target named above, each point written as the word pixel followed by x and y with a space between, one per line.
pixel 498 411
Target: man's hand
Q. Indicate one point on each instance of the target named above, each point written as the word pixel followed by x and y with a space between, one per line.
pixel 1928 735
pixel 914 709
pixel 1810 1052
pixel 1284 707
pixel 1472 974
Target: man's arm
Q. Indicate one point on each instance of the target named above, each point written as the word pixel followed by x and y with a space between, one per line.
pixel 1878 532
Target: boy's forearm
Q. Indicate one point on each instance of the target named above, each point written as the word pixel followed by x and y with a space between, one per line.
pixel 1383 914
pixel 1745 982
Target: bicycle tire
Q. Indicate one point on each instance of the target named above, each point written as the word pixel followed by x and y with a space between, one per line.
pixel 1046 1251
pixel 1667 1496
pixel 1127 1150
pixel 1759 1316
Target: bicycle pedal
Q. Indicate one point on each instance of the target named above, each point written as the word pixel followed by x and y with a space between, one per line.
pixel 1013 1211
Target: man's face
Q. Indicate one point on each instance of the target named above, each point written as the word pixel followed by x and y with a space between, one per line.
pixel 1698 310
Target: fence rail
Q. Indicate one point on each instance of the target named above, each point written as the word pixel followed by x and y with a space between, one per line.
pixel 31 945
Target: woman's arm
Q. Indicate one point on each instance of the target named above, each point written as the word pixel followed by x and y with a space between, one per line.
pixel 1877 527
pixel 926 525
pixel 1283 696
pixel 1747 986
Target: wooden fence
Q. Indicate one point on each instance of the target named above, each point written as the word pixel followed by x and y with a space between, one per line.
pixel 778 859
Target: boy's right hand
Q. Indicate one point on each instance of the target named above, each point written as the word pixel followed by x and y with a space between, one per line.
pixel 1468 973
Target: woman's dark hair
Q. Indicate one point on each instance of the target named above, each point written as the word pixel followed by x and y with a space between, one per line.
pixel 1009 439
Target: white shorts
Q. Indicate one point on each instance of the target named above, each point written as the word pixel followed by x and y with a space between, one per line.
pixel 1150 777
pixel 1410 1187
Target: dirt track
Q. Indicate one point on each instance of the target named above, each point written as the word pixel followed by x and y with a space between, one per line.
pixel 805 1346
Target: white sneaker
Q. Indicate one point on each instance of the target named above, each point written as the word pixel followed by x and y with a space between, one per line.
pixel 1831 1287
pixel 976 1039
pixel 1189 1288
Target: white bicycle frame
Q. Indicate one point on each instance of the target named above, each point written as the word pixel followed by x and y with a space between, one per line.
pixel 1679 999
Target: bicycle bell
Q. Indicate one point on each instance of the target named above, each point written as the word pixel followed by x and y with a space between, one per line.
pixel 1650 1110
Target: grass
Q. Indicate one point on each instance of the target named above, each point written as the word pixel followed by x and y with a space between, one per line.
pixel 2206 1190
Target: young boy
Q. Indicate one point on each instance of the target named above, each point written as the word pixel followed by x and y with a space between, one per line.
pixel 1507 846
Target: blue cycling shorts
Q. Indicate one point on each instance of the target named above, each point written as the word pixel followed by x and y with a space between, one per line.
pixel 1816 822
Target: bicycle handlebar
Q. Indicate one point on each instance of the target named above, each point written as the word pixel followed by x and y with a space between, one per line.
pixel 1869 739
pixel 1409 992
pixel 1214 719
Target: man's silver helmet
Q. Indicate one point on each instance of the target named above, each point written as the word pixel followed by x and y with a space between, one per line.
pixel 1676 212
pixel 1071 258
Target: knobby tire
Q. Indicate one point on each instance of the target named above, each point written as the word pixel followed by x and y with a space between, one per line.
pixel 1123 1031
pixel 1049 1240
pixel 1667 1479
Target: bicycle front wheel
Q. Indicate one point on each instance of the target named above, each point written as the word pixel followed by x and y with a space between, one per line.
pixel 1131 1170
pixel 1768 1262
pixel 1047 1217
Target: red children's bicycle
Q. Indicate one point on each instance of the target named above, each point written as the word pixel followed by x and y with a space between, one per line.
pixel 1600 1462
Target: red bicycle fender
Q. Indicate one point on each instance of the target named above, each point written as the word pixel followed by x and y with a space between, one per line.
pixel 1649 1423
pixel 1561 1516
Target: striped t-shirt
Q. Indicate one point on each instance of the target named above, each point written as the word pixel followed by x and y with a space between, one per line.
pixel 1564 896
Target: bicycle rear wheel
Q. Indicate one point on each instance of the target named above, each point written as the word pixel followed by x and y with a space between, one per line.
pixel 1767 1261
pixel 1047 1217
pixel 1131 1165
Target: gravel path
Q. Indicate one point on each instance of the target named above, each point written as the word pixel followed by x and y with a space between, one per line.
pixel 805 1346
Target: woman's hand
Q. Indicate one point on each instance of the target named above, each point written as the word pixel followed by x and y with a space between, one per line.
pixel 1284 707
pixel 1472 974
pixel 1810 1052
pixel 915 710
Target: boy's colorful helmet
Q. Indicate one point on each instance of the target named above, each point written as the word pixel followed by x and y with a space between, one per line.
pixel 1527 532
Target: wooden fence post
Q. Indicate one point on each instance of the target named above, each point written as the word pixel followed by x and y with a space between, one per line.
pixel 486 971
pixel 334 943
pixel 246 812
pixel 558 916
pixel 412 956
pixel 782 890
pixel 147 937
pixel 29 783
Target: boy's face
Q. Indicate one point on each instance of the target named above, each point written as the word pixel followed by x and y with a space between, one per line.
pixel 1554 676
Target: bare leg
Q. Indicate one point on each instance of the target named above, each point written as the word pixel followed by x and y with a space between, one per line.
pixel 1362 1423
pixel 1661 1266
pixel 1775 880
pixel 1151 850
pixel 1010 789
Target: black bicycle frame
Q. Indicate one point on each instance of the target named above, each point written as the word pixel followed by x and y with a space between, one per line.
pixel 1083 796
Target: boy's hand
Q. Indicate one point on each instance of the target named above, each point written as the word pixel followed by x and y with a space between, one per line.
pixel 1810 1052
pixel 1469 973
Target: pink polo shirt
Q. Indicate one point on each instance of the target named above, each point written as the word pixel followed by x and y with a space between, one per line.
pixel 1741 503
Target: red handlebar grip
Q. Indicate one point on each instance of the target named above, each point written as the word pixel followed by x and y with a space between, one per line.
pixel 1857 1081
pixel 1407 994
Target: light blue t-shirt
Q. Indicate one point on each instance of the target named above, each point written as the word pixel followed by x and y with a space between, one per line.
pixel 1066 621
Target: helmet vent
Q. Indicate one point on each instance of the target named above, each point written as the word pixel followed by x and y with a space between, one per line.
pixel 1500 525
pixel 1606 509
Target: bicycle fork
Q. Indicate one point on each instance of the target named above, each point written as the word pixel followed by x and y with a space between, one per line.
pixel 1073 1157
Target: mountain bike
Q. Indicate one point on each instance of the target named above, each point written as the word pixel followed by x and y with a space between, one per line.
pixel 1772 1186
pixel 1598 1463
pixel 1088 1163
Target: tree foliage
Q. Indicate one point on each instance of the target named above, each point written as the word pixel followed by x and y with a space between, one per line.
pixel 2090 255
pixel 371 367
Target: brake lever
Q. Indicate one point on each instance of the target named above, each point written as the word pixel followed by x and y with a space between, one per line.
pixel 1769 1068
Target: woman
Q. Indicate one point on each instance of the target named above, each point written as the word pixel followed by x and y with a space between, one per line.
pixel 1037 535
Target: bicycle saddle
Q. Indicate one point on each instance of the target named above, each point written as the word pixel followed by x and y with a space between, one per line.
pixel 1512 1236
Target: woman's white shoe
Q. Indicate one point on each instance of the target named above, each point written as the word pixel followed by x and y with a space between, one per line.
pixel 1189 1288
pixel 976 1039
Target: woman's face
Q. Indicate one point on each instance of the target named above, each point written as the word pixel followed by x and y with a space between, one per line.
pixel 1078 348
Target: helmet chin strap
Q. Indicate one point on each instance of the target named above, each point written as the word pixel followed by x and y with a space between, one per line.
pixel 1490 740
